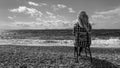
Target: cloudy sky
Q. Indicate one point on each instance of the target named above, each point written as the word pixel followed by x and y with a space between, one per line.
pixel 58 14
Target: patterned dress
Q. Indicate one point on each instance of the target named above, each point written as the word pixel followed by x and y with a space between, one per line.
pixel 82 38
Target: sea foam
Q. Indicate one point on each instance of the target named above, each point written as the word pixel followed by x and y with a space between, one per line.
pixel 112 42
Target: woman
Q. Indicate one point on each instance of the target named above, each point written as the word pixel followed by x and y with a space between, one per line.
pixel 82 31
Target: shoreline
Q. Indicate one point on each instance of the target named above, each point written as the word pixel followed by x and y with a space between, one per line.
pixel 33 45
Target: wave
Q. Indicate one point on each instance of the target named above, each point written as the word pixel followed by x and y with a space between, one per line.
pixel 112 42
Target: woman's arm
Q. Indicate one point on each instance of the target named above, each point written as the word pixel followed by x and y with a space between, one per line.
pixel 74 28
pixel 87 26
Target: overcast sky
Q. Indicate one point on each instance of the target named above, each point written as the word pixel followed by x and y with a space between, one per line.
pixel 58 14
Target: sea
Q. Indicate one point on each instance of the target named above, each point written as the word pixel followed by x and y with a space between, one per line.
pixel 58 37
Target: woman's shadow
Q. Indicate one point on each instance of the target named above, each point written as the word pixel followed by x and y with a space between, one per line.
pixel 99 63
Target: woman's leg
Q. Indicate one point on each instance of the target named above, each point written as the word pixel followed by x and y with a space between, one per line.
pixel 75 51
pixel 76 54
pixel 90 53
pixel 80 50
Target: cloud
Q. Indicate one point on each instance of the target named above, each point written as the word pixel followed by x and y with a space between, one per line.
pixel 58 7
pixel 59 22
pixel 53 17
pixel 106 19
pixel 42 4
pixel 56 24
pixel 25 25
pixel 101 16
pixel 43 24
pixel 11 18
pixel 107 14
pixel 114 11
pixel 61 6
pixel 54 7
pixel 31 11
pixel 19 10
pixel 50 15
pixel 36 4
pixel 52 21
pixel 33 3
pixel 71 10
pixel 47 20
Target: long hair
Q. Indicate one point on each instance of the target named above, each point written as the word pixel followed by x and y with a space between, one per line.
pixel 83 19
